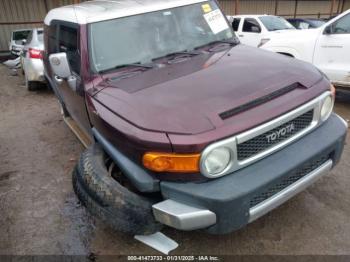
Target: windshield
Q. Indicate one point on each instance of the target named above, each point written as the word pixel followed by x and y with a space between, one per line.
pixel 142 38
pixel 317 23
pixel 273 23
pixel 20 35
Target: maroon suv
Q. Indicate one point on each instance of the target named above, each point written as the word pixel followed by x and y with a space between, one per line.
pixel 189 128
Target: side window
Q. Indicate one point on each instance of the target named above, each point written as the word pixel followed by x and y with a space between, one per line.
pixel 52 39
pixel 68 43
pixel 251 26
pixel 235 24
pixel 30 37
pixel 304 25
pixel 342 26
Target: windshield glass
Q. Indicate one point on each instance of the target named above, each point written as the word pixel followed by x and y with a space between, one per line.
pixel 273 23
pixel 21 35
pixel 317 23
pixel 141 38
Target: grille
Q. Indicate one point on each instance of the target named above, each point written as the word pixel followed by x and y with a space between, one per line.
pixel 263 142
pixel 295 176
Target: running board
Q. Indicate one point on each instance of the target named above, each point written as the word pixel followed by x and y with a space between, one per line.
pixel 83 138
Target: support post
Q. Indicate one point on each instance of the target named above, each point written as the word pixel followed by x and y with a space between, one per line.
pixel 296 8
pixel 236 7
pixel 46 6
pixel 342 6
pixel 332 8
pixel 338 6
pixel 276 7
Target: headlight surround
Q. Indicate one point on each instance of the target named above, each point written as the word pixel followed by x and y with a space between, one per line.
pixel 216 161
pixel 327 107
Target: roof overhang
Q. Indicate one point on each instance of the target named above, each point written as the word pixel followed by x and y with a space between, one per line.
pixel 96 11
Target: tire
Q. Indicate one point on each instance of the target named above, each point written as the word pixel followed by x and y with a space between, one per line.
pixel 106 199
pixel 30 85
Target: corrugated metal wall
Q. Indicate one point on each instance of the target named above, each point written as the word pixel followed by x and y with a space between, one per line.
pixel 347 5
pixel 257 7
pixel 19 14
pixel 311 8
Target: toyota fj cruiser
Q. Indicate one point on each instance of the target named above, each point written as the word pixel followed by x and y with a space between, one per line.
pixel 190 129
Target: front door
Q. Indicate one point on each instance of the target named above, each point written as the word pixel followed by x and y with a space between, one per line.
pixel 332 51
pixel 251 32
pixel 65 38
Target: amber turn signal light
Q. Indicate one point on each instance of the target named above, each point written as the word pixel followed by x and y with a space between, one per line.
pixel 333 90
pixel 166 162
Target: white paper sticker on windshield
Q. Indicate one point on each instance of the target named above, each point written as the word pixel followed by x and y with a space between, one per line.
pixel 216 21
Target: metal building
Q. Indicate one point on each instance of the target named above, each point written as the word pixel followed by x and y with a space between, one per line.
pixel 286 8
pixel 21 14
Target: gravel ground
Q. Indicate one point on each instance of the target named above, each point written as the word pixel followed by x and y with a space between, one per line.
pixel 39 213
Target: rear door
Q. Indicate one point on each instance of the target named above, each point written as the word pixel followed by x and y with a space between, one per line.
pixel 250 33
pixel 332 51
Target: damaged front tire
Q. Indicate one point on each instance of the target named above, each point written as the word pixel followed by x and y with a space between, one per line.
pixel 107 199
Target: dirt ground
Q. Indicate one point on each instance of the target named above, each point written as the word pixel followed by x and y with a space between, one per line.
pixel 39 213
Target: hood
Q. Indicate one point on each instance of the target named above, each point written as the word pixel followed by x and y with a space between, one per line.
pixel 188 97
pixel 284 31
pixel 294 33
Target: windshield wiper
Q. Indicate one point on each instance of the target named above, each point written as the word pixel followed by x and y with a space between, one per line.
pixel 185 52
pixel 128 65
pixel 224 41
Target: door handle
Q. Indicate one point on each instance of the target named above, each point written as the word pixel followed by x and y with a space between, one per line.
pixel 72 83
pixel 58 80
pixel 241 35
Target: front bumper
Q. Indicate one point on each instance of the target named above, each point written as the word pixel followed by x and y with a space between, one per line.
pixel 225 204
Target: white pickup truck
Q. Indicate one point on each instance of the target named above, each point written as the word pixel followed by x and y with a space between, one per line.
pixel 327 47
pixel 255 30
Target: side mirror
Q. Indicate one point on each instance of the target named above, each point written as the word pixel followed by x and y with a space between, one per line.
pixel 24 41
pixel 60 65
pixel 328 30
pixel 255 29
pixel 61 69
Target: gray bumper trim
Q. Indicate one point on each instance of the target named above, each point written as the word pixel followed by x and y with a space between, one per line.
pixel 287 193
pixel 182 216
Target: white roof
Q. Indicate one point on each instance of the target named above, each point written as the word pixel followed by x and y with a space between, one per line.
pixel 99 10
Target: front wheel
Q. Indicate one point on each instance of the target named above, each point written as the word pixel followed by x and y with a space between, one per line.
pixel 116 205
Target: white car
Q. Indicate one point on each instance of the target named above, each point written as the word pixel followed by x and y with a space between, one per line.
pixel 327 47
pixel 17 40
pixel 32 59
pixel 253 30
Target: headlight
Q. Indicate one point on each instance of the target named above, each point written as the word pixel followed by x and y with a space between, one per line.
pixel 327 107
pixel 217 160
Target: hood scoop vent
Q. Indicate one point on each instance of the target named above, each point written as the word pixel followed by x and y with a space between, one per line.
pixel 234 111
